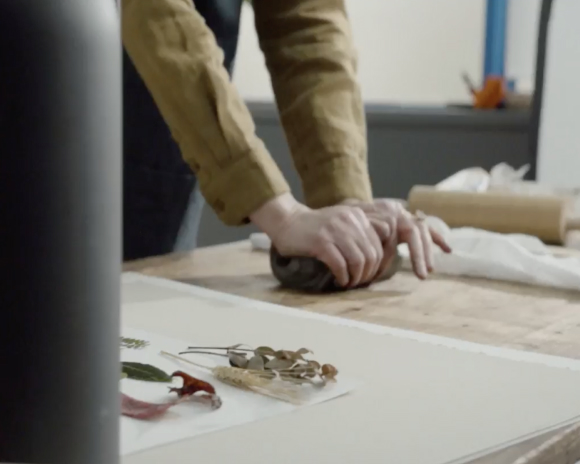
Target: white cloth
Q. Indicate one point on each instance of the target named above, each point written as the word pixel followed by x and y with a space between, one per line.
pixel 507 257
pixel 260 242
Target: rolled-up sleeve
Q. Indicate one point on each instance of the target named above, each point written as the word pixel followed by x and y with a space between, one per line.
pixel 310 54
pixel 181 64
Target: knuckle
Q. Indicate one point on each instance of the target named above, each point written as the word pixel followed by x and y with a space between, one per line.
pixel 388 206
pixel 382 203
pixel 335 224
pixel 321 239
pixel 345 214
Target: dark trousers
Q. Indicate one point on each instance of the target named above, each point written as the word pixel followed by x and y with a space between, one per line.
pixel 159 187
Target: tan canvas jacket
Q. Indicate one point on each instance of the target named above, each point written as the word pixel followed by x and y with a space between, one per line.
pixel 309 52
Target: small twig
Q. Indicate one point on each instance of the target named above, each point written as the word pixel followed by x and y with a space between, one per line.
pixel 204 352
pixel 469 83
pixel 179 358
pixel 227 348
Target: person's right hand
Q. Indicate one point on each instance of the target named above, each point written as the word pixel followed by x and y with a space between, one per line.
pixel 342 237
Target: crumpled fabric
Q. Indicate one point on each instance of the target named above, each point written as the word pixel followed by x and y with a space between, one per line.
pixel 506 257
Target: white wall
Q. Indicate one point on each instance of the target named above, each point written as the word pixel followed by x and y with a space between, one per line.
pixel 559 150
pixel 521 40
pixel 410 51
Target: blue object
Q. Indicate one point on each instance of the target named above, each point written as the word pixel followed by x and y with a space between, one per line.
pixel 495 35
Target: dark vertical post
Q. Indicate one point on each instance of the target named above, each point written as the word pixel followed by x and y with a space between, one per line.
pixel 60 231
pixel 541 52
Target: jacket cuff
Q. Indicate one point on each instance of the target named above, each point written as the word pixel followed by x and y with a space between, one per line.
pixel 339 179
pixel 243 187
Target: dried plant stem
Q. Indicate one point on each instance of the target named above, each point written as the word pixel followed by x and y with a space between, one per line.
pixel 187 361
pixel 256 381
pixel 224 355
pixel 227 348
pixel 212 349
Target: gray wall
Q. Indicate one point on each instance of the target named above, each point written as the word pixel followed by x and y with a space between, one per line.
pixel 407 146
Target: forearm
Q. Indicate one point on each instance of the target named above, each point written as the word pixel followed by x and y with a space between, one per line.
pixel 181 64
pixel 311 58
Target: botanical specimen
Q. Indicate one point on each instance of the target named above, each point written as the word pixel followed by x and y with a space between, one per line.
pixel 276 373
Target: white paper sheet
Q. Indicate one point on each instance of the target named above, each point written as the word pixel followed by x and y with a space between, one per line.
pixel 426 399
pixel 188 420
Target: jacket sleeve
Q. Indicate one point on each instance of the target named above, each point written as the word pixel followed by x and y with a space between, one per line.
pixel 181 64
pixel 310 54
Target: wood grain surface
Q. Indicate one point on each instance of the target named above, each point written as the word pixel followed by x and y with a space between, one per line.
pixel 482 311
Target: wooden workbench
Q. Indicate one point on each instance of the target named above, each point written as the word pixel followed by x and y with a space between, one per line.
pixel 493 313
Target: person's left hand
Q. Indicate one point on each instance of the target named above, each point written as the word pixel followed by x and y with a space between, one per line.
pixel 404 227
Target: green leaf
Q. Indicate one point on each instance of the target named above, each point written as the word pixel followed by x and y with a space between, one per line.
pixel 133 343
pixel 145 372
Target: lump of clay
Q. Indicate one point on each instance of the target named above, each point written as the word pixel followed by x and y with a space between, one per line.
pixel 311 275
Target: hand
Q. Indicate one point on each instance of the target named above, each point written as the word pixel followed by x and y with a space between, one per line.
pixel 409 229
pixel 341 236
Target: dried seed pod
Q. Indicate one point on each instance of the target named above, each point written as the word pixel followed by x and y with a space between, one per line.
pixel 256 363
pixel 265 351
pixel 314 364
pixel 238 360
pixel 279 364
pixel 329 372
pixel 284 354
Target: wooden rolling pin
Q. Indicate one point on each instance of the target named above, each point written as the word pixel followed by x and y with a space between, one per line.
pixel 545 217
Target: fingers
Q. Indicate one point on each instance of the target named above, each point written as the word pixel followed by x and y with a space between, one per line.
pixel 425 234
pixel 384 226
pixel 409 232
pixel 370 245
pixel 330 255
pixel 353 236
pixel 364 242
pixel 359 243
pixel 355 260
pixel 428 236
pixel 440 241
pixel 387 231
